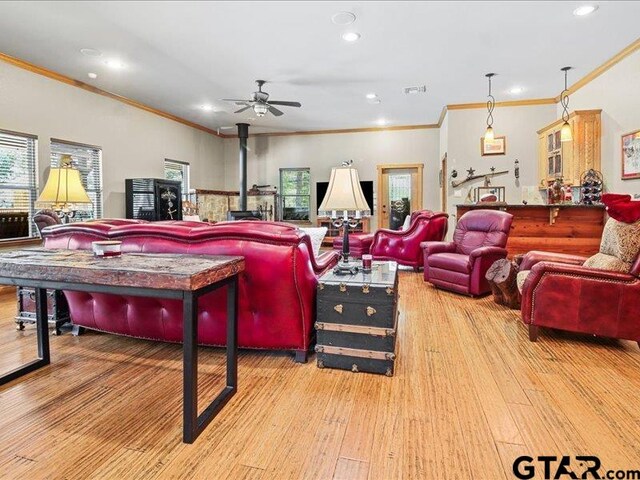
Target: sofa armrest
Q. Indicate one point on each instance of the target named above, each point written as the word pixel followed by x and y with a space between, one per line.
pixel 556 287
pixel 324 261
pixel 535 256
pixel 490 254
pixel 430 248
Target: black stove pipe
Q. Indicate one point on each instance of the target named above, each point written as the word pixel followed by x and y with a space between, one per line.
pixel 243 134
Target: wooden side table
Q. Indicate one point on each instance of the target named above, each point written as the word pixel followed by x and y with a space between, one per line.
pixel 180 277
pixel 357 320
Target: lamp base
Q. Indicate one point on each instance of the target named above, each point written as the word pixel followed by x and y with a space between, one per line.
pixel 346 268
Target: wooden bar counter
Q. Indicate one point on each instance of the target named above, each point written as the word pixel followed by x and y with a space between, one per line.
pixel 562 228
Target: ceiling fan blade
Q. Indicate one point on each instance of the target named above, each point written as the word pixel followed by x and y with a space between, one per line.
pixel 286 104
pixel 242 109
pixel 234 100
pixel 275 111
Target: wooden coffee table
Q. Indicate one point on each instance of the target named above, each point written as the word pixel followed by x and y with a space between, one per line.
pixel 181 277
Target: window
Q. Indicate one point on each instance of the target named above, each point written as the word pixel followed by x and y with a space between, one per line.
pixel 295 188
pixel 18 187
pixel 88 160
pixel 175 170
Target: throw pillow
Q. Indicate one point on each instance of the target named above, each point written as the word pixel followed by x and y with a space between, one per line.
pixel 405 225
pixel 622 240
pixel 602 261
pixel 316 234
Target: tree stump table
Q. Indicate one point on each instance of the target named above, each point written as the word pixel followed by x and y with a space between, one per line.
pixel 502 276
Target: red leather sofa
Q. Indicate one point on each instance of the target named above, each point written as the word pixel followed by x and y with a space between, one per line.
pixel 402 246
pixel 478 241
pixel 277 291
pixel 559 292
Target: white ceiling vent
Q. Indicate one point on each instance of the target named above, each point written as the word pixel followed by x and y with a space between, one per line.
pixel 416 89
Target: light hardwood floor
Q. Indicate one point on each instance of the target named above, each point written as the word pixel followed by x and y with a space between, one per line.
pixel 470 394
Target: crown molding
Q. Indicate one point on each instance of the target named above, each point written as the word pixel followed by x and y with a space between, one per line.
pixel 508 103
pixel 595 73
pixel 90 88
pixel 443 114
pixel 343 130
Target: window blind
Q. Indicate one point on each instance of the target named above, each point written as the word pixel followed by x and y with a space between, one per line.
pixel 18 186
pixel 88 160
pixel 175 170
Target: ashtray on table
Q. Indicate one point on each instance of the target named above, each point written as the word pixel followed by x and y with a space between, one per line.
pixel 107 248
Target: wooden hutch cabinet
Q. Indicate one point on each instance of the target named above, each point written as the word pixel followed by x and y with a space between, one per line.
pixel 570 159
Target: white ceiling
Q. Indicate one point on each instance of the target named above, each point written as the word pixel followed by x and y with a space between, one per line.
pixel 180 55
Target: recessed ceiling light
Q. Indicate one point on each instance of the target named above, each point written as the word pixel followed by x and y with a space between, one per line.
pixel 343 18
pixel 90 52
pixel 351 36
pixel 382 121
pixel 92 75
pixel 115 64
pixel 371 96
pixel 516 90
pixel 206 107
pixel 583 10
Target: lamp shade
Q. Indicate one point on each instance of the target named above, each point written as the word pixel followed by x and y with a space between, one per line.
pixel 344 193
pixel 63 188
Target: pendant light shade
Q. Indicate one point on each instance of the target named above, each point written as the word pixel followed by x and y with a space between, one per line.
pixel 488 135
pixel 566 135
pixel 491 103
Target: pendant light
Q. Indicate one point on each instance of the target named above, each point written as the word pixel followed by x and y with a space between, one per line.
pixel 491 103
pixel 565 132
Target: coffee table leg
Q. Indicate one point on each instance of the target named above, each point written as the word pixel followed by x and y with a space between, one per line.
pixel 42 332
pixel 194 424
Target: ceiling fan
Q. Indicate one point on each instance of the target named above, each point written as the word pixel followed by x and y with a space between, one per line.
pixel 260 102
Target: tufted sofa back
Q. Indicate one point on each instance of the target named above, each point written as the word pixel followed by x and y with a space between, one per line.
pixel 482 228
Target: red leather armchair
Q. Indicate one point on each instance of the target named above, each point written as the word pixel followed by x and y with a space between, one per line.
pixel 403 246
pixel 461 265
pixel 561 293
pixel 277 291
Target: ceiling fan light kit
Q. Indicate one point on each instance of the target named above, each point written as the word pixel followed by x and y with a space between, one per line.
pixel 260 103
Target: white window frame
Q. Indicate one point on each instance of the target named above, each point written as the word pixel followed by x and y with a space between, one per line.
pixel 185 168
pixel 31 145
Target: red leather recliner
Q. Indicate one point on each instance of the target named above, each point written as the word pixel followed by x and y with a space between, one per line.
pixel 461 265
pixel 403 246
pixel 276 292
pixel 561 293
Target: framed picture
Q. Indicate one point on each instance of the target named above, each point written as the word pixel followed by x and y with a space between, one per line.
pixel 630 155
pixel 496 147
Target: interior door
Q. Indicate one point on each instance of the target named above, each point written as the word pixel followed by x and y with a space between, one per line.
pixel 400 193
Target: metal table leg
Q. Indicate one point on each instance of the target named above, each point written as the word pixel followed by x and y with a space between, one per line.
pixel 42 332
pixel 194 424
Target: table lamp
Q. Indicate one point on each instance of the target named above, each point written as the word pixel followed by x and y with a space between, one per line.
pixel 344 194
pixel 63 191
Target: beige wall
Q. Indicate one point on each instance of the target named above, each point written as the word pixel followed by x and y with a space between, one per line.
pixel 134 142
pixel 322 152
pixel 518 124
pixel 616 93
